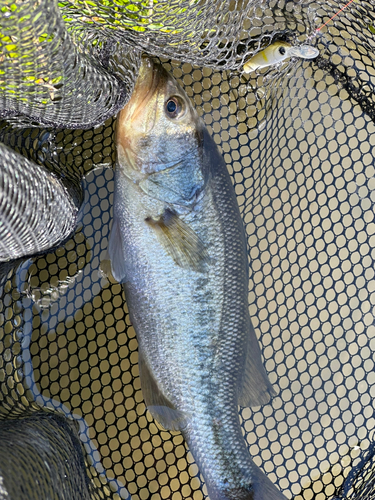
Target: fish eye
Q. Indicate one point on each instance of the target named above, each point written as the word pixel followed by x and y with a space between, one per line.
pixel 282 50
pixel 174 107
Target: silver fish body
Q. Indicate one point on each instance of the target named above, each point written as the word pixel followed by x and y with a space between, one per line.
pixel 179 247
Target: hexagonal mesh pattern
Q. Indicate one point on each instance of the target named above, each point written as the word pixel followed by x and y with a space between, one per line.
pixel 299 143
pixel 36 446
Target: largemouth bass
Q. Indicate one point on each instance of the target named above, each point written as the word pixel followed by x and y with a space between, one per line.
pixel 178 245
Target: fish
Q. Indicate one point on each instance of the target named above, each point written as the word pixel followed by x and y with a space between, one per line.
pixel 278 52
pixel 178 246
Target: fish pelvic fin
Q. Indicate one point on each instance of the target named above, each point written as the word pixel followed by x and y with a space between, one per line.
pixel 255 389
pixel 116 252
pixel 156 402
pixel 179 241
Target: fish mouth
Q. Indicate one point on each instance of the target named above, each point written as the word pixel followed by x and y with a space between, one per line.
pixel 138 118
pixel 150 79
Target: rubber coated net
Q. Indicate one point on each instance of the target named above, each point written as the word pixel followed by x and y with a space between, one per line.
pixel 299 142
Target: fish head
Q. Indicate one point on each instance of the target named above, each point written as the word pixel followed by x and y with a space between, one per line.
pixel 159 126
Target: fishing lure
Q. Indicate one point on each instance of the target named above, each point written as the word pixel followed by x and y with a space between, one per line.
pixel 278 52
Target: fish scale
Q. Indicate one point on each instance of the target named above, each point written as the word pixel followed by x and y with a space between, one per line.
pixel 179 247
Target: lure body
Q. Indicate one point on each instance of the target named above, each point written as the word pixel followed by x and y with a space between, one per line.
pixel 276 53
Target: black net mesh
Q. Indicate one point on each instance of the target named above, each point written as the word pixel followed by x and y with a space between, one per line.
pixel 359 483
pixel 37 209
pixel 46 78
pixel 298 140
pixel 35 448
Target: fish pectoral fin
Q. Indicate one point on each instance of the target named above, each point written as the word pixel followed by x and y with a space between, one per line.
pixel 156 402
pixel 180 241
pixel 116 252
pixel 256 389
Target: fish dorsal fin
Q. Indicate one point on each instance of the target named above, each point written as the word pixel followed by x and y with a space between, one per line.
pixel 256 389
pixel 116 252
pixel 179 240
pixel 159 405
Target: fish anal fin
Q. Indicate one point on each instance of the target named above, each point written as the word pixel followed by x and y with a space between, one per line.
pixel 116 252
pixel 171 420
pixel 180 241
pixel 105 265
pixel 156 402
pixel 255 389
